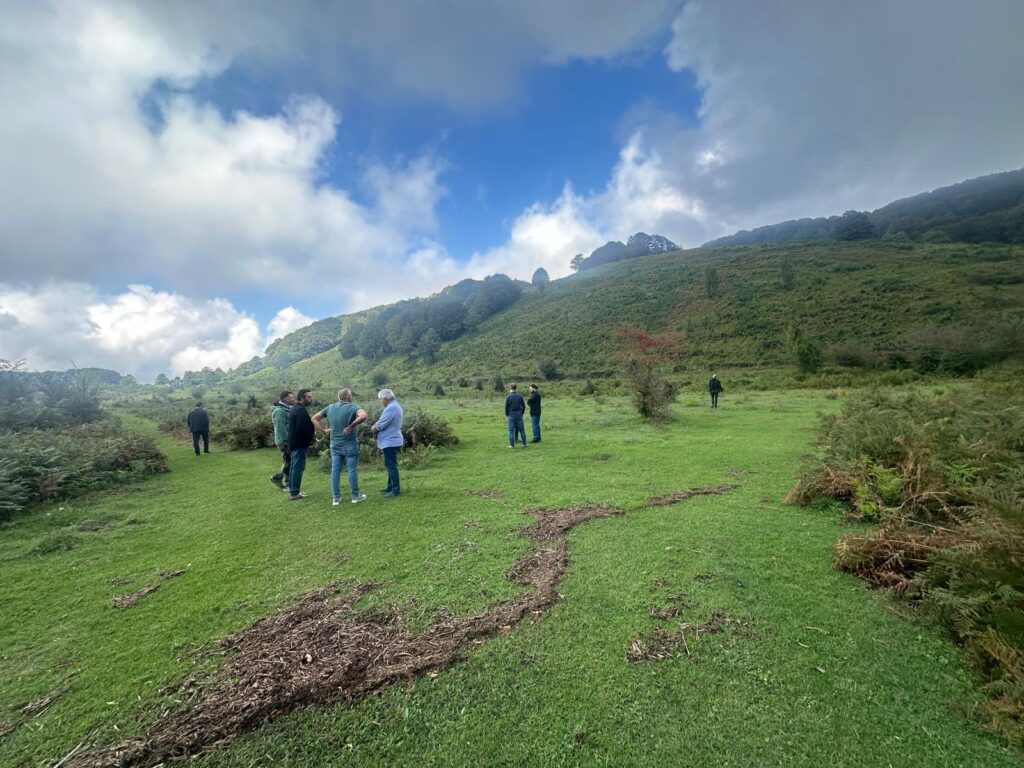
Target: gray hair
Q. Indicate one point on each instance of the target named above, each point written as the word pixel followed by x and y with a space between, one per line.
pixel 345 395
pixel 385 394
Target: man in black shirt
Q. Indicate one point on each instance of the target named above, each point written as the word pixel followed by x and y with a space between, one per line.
pixel 301 434
pixel 515 407
pixel 198 421
pixel 534 402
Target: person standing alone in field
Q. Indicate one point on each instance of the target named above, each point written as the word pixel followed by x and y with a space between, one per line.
pixel 534 402
pixel 388 431
pixel 715 388
pixel 279 416
pixel 515 407
pixel 300 436
pixel 343 418
pixel 198 421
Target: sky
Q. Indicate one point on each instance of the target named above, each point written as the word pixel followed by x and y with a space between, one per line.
pixel 182 183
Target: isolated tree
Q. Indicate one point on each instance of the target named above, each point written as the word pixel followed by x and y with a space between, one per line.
pixel 379 378
pixel 548 369
pixel 540 277
pixel 162 380
pixel 711 282
pixel 804 352
pixel 641 355
pixel 576 262
pixel 429 346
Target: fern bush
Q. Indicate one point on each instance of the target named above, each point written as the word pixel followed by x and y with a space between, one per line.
pixel 38 466
pixel 943 476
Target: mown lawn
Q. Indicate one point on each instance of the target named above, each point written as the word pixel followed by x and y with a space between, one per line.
pixel 821 673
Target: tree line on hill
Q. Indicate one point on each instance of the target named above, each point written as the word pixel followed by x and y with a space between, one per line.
pixel 988 209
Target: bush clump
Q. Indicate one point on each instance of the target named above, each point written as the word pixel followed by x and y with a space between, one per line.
pixel 941 475
pixel 38 466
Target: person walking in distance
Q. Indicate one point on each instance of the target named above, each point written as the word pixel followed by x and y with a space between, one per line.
pixel 198 421
pixel 534 402
pixel 388 431
pixel 343 417
pixel 300 436
pixel 715 388
pixel 279 416
pixel 515 407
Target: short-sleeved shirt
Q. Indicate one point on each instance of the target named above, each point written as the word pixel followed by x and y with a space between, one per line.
pixel 340 415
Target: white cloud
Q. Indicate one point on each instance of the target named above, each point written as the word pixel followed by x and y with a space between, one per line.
pixel 814 109
pixel 141 331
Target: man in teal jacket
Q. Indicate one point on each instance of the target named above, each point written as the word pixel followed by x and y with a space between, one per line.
pixel 279 415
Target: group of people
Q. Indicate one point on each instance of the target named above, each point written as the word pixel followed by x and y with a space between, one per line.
pixel 515 407
pixel 295 430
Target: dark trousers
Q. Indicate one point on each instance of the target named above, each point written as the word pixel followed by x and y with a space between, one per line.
pixel 535 426
pixel 206 441
pixel 714 399
pixel 286 464
pixel 295 471
pixel 391 467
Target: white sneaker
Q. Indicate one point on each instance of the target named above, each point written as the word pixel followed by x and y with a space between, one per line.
pixel 336 502
pixel 357 499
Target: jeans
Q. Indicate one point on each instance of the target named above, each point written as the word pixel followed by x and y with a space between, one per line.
pixel 286 463
pixel 535 426
pixel 714 399
pixel 297 468
pixel 391 466
pixel 342 457
pixel 516 428
pixel 206 441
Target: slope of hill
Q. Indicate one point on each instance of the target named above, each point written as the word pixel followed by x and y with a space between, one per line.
pixel 985 209
pixel 870 296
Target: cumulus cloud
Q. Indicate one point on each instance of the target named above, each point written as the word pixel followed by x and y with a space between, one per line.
pixel 141 331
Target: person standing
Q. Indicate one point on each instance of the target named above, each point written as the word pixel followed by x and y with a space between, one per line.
pixel 300 436
pixel 343 417
pixel 198 421
pixel 534 402
pixel 279 416
pixel 388 430
pixel 515 407
pixel 715 388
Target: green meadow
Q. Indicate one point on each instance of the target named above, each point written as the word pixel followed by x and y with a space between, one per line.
pixel 811 669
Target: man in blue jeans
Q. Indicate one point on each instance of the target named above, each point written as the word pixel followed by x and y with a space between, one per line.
pixel 388 431
pixel 300 436
pixel 343 417
pixel 515 407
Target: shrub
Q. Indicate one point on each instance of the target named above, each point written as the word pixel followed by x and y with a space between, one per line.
pixel 498 383
pixel 941 475
pixel 589 388
pixel 38 466
pixel 641 354
pixel 438 390
pixel 549 369
pixel 378 379
pixel 478 385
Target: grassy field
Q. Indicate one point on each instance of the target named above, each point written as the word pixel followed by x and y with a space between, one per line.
pixel 821 672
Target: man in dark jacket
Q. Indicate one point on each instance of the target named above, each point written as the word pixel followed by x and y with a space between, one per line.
pixel 534 402
pixel 198 421
pixel 714 387
pixel 279 417
pixel 300 436
pixel 515 407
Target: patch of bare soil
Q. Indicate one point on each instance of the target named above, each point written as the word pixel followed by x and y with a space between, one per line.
pixel 127 601
pixel 322 651
pixel 664 614
pixel 6 728
pixel 662 644
pixel 689 493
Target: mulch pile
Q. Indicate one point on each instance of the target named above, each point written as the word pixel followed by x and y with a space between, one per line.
pixel 322 651
pixel 689 493
pixel 662 644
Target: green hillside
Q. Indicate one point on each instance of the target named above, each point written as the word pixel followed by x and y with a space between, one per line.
pixel 872 299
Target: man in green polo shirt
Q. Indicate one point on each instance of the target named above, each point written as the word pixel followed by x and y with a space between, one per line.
pixel 343 417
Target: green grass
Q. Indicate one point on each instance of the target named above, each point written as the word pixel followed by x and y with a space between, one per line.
pixel 828 675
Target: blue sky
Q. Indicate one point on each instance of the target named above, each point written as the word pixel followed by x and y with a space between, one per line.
pixel 183 183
